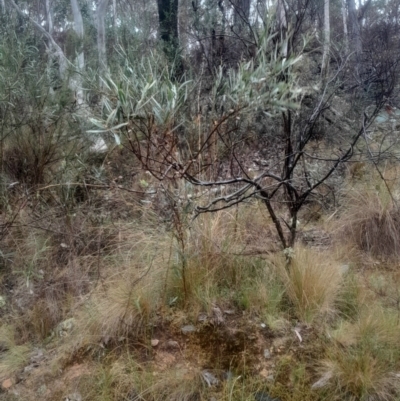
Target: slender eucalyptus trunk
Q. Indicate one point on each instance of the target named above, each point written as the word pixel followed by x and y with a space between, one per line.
pixel 115 22
pixel 282 25
pixel 78 28
pixel 345 31
pixel 50 61
pixel 101 35
pixel 355 33
pixel 80 57
pixel 327 42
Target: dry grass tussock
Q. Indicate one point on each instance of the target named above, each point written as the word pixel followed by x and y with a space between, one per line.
pixel 124 378
pixel 372 223
pixel 123 305
pixel 363 359
pixel 312 282
pixel 13 355
pixel 177 384
pixel 220 263
pixel 150 271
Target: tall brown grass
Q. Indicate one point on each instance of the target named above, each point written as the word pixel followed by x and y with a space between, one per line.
pixel 312 282
pixel 363 360
pixel 372 223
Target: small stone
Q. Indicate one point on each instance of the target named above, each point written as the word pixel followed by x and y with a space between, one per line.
pixel 345 269
pixel 64 328
pixel 7 384
pixel 202 317
pixel 267 353
pixel 73 397
pixel 42 390
pixel 209 378
pixel 323 381
pixel 29 368
pixel 154 342
pixel 218 318
pixel 37 356
pixel 188 329
pixel 171 344
pixel 263 325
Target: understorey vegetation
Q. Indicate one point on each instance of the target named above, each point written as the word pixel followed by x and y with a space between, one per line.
pixel 199 201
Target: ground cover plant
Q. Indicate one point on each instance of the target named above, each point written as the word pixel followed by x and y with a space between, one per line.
pixel 199 201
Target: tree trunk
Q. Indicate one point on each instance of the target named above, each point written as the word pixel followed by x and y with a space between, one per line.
pixel 49 25
pixel 355 33
pixel 168 19
pixel 241 14
pixel 115 17
pixel 281 18
pixel 49 18
pixel 101 35
pixel 80 58
pixel 345 31
pixel 327 41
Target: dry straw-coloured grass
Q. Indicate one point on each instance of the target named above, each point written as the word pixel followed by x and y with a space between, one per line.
pixel 123 305
pixel 371 222
pixel 124 378
pixel 222 262
pixel 312 282
pixel 14 356
pixel 363 360
pixel 124 308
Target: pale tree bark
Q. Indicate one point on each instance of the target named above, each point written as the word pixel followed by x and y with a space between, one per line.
pixel 50 28
pixel 355 33
pixel 345 31
pixel 316 28
pixel 49 18
pixel 281 14
pixel 101 35
pixel 282 21
pixel 327 42
pixel 80 58
pixel 115 22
